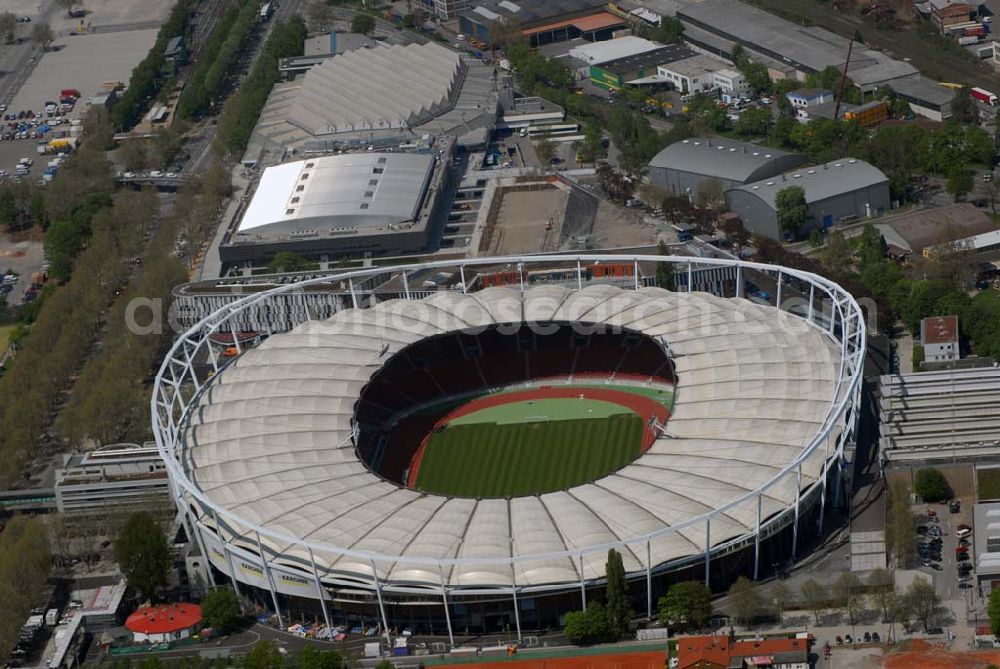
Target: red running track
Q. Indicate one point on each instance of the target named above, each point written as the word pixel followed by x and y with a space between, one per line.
pixel 646 407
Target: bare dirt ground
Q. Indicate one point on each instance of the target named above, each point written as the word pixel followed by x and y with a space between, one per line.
pixel 616 227
pixel 925 655
pixel 523 218
pixel 855 658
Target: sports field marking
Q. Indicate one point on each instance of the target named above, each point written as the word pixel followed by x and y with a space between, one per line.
pixel 529 411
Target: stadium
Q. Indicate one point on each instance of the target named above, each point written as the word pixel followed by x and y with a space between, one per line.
pixel 464 459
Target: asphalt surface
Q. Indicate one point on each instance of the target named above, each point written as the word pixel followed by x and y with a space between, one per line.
pixel 18 60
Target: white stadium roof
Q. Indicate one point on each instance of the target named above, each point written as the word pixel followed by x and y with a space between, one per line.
pixel 350 190
pixel 270 441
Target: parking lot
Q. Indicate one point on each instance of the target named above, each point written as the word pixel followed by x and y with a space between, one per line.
pixel 937 541
pixel 102 47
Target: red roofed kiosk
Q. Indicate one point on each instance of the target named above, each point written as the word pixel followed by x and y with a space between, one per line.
pixel 164 622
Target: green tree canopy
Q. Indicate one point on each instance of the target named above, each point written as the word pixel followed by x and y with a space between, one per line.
pixel 587 627
pixel 686 604
pixel 755 121
pixel 221 610
pixel 265 654
pixel 993 611
pixel 363 23
pixel 790 203
pixel 931 485
pixel 143 554
pixel 288 261
pixel 745 601
pixel 616 594
pixel 311 658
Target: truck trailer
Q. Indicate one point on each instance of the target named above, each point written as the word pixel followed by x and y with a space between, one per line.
pixel 983 96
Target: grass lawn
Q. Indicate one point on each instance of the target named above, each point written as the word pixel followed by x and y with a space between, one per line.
pixel 489 460
pixel 5 331
pixel 989 483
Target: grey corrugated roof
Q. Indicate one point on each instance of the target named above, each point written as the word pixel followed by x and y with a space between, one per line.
pixel 720 158
pixel 921 88
pixel 821 182
pixel 813 48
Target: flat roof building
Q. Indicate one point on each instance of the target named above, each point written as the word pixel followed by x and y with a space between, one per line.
pixel 115 475
pixel 986 542
pixel 836 192
pixel 596 53
pixel 943 415
pixel 927 98
pixel 921 230
pixel 541 21
pixel 345 204
pixel 683 166
pixel 692 75
pixel 640 68
pixel 939 337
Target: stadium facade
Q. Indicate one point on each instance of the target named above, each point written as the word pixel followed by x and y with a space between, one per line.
pixel 268 461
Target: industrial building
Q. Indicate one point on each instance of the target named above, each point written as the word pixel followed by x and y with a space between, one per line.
pixel 920 230
pixel 114 476
pixel 638 69
pixel 940 416
pixel 541 21
pixel 379 96
pixel 692 75
pixel 601 52
pixel 986 533
pixel 342 205
pixel 788 48
pixel 683 166
pixel 939 337
pixel 926 98
pixel 836 192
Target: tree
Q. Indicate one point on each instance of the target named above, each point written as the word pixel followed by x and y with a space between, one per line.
pixel 881 585
pixel 42 35
pixel 901 532
pixel 669 31
pixel 847 591
pixel 923 601
pixel 310 658
pixel 616 595
pixel 837 254
pixel 790 203
pixel 745 601
pixel 964 109
pixel 686 604
pixel 143 554
pixel 221 610
pixel 320 14
pixel 586 627
pixel 755 121
pixel 363 23
pixel 931 485
pixel 9 214
pixel 133 155
pixel 993 610
pixel 814 597
pixel 265 654
pixel 545 150
pixel 960 182
pixel 710 195
pixel 781 596
pixel 8 23
pixel 288 261
pixel 899 611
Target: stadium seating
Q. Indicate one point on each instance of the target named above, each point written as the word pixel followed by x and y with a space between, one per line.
pixel 430 372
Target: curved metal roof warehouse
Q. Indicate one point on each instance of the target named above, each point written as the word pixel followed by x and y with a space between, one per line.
pixel 270 442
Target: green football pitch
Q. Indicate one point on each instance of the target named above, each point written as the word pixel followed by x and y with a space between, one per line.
pixel 525 458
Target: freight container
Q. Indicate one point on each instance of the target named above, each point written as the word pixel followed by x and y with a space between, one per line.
pixel 983 96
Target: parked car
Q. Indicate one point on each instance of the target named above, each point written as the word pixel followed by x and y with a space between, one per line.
pixel 955 506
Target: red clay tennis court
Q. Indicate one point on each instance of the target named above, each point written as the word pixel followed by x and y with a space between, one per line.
pixel 640 660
